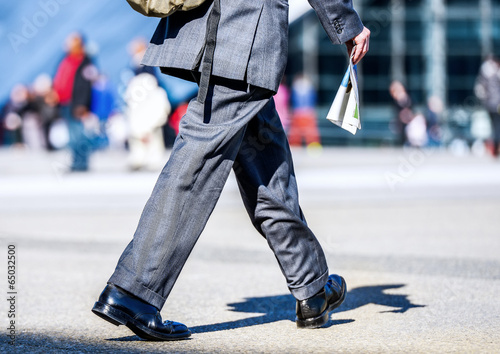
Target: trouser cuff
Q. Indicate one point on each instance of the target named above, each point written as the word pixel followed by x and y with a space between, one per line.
pixel 137 289
pixel 305 292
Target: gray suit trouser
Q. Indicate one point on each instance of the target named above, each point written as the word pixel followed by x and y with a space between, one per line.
pixel 237 128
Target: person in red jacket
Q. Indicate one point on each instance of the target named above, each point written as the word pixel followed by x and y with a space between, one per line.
pixel 73 85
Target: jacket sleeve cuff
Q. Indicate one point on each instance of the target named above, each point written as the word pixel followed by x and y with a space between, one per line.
pixel 340 28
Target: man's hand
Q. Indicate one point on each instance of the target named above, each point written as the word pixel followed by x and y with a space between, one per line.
pixel 361 45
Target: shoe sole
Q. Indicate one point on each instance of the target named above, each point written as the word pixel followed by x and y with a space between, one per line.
pixel 118 317
pixel 323 319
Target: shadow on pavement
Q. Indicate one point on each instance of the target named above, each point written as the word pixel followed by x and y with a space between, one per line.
pixel 274 308
pixel 282 307
pixel 365 295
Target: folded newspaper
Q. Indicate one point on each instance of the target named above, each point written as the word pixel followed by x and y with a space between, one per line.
pixel 345 107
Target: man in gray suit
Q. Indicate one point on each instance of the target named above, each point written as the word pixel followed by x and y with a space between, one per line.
pixel 236 50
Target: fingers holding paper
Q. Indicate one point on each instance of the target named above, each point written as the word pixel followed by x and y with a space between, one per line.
pixel 360 44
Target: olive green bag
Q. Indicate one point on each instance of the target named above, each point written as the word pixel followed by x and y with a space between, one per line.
pixel 163 8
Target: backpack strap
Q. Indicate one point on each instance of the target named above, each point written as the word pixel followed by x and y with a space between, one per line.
pixel 209 49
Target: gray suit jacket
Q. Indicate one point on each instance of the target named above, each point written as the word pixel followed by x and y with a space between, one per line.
pixel 252 38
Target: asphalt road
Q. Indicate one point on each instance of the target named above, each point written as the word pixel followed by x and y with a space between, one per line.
pixel 416 235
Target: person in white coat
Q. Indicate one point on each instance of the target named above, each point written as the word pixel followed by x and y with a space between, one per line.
pixel 147 111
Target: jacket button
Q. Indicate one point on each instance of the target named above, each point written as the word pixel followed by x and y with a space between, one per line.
pixel 339 31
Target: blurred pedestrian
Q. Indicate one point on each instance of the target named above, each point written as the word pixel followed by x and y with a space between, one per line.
pixel 32 130
pixel 137 48
pixel 103 105
pixel 282 102
pixel 434 110
pixel 2 126
pixel 45 104
pixel 73 85
pixel 174 120
pixel 404 115
pixel 233 121
pixel 303 125
pixel 416 131
pixel 147 111
pixel 487 89
pixel 13 115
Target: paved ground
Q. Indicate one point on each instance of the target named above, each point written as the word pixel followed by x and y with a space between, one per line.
pixel 416 235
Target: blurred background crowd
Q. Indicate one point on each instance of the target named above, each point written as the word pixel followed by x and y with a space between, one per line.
pixel 72 79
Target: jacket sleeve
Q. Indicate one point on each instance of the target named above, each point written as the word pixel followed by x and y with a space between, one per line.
pixel 82 93
pixel 82 86
pixel 339 19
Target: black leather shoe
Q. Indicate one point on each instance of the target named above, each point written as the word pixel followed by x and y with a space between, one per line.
pixel 119 307
pixel 314 312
